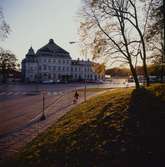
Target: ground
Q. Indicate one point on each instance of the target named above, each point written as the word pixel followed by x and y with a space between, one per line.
pixel 124 127
pixel 20 114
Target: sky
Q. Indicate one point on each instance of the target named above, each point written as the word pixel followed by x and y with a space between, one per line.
pixel 34 22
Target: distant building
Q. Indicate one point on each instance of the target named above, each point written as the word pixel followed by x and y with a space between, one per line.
pixel 51 62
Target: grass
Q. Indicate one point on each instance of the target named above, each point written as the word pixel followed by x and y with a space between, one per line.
pixel 94 89
pixel 120 128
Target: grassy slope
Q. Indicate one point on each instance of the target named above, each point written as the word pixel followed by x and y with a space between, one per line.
pixel 119 128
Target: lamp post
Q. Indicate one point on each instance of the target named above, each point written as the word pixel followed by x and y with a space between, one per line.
pixel 85 81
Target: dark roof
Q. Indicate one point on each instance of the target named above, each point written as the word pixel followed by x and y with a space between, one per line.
pixel 30 52
pixel 52 49
pixel 75 62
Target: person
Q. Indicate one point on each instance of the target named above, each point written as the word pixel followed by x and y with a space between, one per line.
pixel 76 95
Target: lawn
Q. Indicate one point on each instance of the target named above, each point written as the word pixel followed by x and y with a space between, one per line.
pixel 120 128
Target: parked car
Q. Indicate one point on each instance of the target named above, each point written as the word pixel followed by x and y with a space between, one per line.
pixel 130 79
pixel 154 78
pixel 100 81
pixel 47 81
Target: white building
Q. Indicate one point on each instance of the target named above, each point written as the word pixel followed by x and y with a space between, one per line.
pixel 51 62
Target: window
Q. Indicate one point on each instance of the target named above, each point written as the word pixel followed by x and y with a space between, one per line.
pixel 54 68
pixel 67 68
pixel 63 68
pixel 63 61
pixel 59 61
pixel 59 68
pixel 91 76
pixel 49 76
pixel 45 67
pixel 50 68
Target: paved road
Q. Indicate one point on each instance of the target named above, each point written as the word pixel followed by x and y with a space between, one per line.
pixel 19 104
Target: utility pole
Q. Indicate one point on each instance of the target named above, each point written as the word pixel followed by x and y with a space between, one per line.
pixel 43 117
pixel 85 90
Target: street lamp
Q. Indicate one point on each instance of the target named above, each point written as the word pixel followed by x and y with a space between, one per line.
pixel 85 81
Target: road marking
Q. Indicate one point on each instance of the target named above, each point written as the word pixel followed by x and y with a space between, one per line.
pixel 23 93
pixel 49 93
pixel 55 93
pixel 2 93
pixel 9 93
pixel 61 93
pixel 16 93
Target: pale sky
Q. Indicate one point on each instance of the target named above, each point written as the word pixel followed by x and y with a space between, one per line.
pixel 34 22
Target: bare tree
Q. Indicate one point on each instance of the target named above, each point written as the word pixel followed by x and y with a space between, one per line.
pixel 118 30
pixel 4 27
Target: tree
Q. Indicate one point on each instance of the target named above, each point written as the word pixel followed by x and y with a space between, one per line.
pixel 8 62
pixel 116 71
pixel 4 27
pixel 98 68
pixel 155 34
pixel 118 31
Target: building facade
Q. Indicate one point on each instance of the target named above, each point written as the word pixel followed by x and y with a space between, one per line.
pixel 51 62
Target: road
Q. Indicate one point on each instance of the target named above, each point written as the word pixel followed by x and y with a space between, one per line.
pixel 21 107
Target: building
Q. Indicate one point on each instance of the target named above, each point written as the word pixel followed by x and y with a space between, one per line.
pixel 52 63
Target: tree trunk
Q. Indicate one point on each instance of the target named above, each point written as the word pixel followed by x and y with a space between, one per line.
pixel 134 74
pixel 146 72
pixel 162 68
pixel 162 56
pixel 144 58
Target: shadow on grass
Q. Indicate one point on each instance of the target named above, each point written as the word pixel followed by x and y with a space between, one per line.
pixel 146 125
pixel 126 137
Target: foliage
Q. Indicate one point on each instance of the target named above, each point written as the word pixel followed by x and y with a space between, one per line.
pixel 98 68
pixel 155 34
pixel 8 62
pixel 156 19
pixel 153 69
pixel 118 71
pixel 4 27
